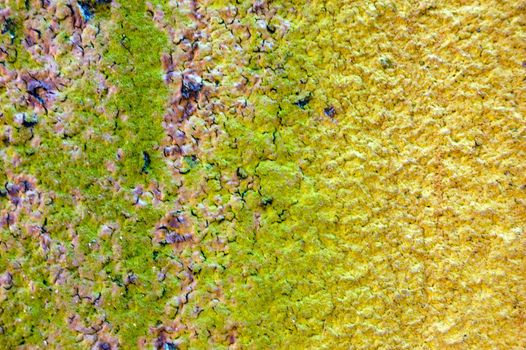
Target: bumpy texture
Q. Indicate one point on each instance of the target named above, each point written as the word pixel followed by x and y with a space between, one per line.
pixel 212 174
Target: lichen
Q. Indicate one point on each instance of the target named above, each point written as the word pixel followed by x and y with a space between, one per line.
pixel 255 174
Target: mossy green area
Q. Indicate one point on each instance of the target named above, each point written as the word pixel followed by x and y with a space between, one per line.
pixel 73 166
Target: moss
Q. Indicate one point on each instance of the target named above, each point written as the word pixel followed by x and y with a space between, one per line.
pixel 141 96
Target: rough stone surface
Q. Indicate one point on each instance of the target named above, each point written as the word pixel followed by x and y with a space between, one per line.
pixel 262 174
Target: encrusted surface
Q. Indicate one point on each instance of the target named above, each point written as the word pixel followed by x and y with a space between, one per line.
pixel 258 174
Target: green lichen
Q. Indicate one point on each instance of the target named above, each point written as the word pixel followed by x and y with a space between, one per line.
pixel 141 95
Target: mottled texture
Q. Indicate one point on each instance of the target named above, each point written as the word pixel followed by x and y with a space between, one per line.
pixel 262 175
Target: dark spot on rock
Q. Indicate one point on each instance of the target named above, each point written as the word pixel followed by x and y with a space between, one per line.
pixel 37 89
pixel 131 278
pixel 329 111
pixel 118 280
pixel 241 173
pixel 9 27
pixel 85 10
pixel 524 64
pixel 146 162
pixel 271 28
pixel 303 102
pixel 192 161
pixel 169 346
pixel 104 346
pixel 386 62
pixel 191 89
pixel 267 201
pixel 88 8
pixel 125 43
pixel 231 339
pixel 27 186
pixel 34 87
pixel 29 122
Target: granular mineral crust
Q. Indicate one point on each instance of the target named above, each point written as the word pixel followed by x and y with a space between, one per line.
pixel 214 174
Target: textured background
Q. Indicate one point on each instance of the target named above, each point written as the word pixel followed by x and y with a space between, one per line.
pixel 262 174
